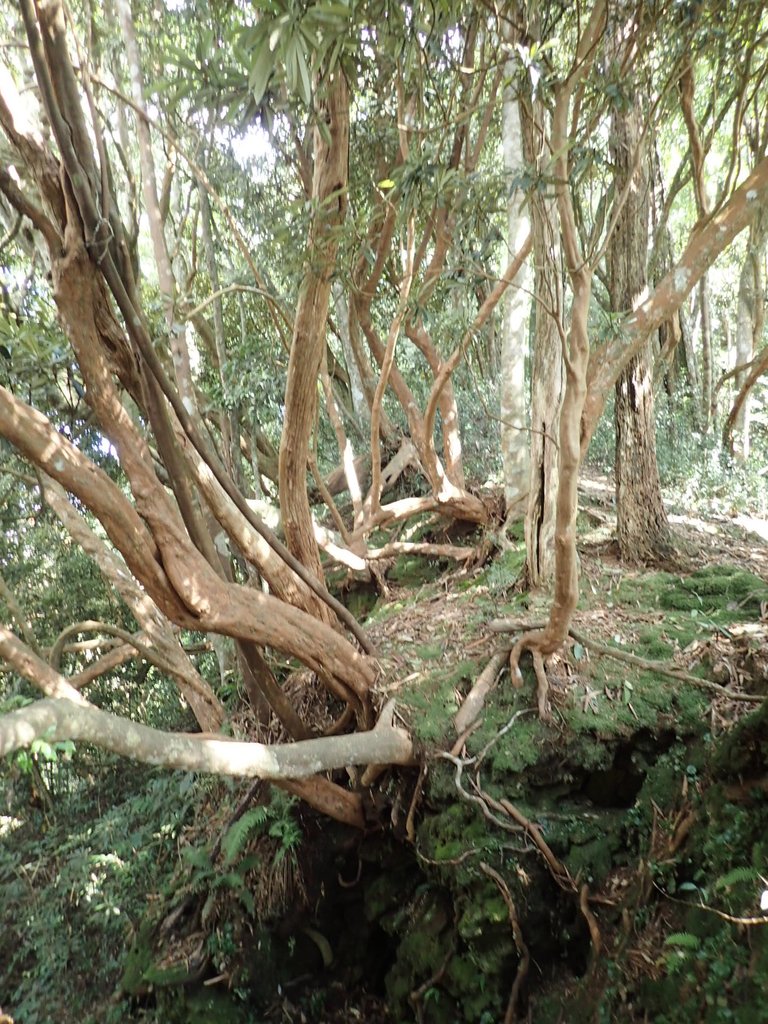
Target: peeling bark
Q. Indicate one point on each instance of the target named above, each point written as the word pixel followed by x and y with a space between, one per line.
pixel 547 369
pixel 159 633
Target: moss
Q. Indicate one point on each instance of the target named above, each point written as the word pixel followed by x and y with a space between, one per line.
pixel 429 652
pixel 411 571
pixel 717 585
pixel 522 746
pixel 724 589
pixel 430 702
pixel 594 845
pixel 743 752
pixel 138 960
pixel 201 1006
pixel 504 572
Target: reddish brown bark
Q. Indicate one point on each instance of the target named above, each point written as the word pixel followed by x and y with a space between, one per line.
pixel 329 186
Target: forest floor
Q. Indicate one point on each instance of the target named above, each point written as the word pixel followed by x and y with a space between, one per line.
pixel 612 793
pixel 606 865
pixel 629 610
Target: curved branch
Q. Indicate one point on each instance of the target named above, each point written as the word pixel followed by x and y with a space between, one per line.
pixel 483 313
pixel 93 625
pixel 37 671
pixel 757 367
pixel 704 246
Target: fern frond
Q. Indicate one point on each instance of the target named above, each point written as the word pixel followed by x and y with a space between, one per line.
pixel 237 834
pixel 735 876
pixel 683 939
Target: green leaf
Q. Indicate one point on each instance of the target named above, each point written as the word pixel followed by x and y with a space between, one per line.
pixel 43 749
pixel 683 939
pixel 196 857
pixel 578 651
pixel 386 183
pixel 246 898
pixel 305 80
pixel 261 70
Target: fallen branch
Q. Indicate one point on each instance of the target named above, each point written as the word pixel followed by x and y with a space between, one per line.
pixel 474 702
pixel 459 554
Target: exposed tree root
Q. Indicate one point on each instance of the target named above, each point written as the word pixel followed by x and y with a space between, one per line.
pixel 541 644
pixel 480 801
pixel 410 829
pixel 589 917
pixel 517 934
pixel 488 804
pixel 747 922
pixel 558 870
pixel 417 995
pixel 510 625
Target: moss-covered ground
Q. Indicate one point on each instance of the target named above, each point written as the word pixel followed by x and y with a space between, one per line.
pixel 618 850
pixel 628 785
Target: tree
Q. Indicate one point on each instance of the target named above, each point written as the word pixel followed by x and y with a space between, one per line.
pixel 394 220
pixel 642 530
pixel 591 373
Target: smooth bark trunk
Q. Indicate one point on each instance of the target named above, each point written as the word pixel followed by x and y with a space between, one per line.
pixel 515 448
pixel 547 369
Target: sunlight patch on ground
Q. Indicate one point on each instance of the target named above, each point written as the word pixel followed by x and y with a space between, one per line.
pixel 753 525
pixel 696 524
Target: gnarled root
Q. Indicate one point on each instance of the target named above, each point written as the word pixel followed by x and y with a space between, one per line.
pixel 540 644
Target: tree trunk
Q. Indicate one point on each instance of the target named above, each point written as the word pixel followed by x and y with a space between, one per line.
pixel 547 371
pixel 515 450
pixel 642 528
pixel 308 344
pixel 706 355
pixel 360 405
pixel 749 329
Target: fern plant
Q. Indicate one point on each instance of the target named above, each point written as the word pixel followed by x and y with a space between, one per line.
pixel 239 832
